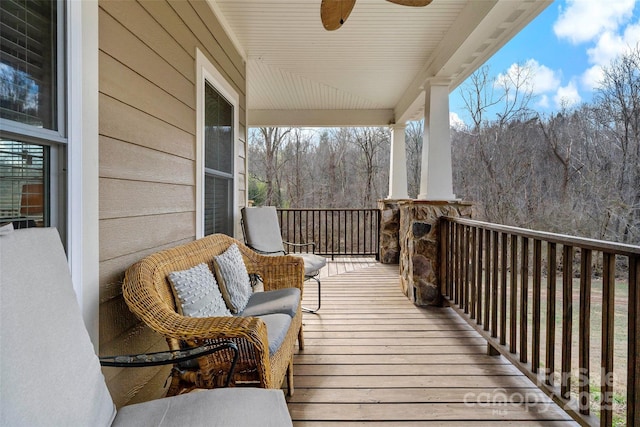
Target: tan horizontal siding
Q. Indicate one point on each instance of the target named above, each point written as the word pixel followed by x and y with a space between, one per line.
pixel 206 40
pixel 125 123
pixel 152 198
pixel 147 101
pixel 112 271
pixel 135 234
pixel 125 47
pixel 119 159
pixel 159 35
pixel 124 84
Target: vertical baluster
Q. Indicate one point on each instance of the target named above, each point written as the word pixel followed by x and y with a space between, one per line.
pixel 340 231
pixel 633 350
pixel 479 277
pixel 608 318
pixel 503 288
pixel 444 257
pixel 473 266
pixel 524 299
pixel 584 329
pixel 465 269
pixel 364 237
pixel 494 287
pixel 326 231
pixel 452 261
pixel 513 290
pixel 551 313
pixel 537 285
pixel 567 319
pixel 458 263
pixel 487 283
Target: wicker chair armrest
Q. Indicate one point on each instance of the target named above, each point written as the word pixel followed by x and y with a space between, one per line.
pixel 200 329
pixel 276 272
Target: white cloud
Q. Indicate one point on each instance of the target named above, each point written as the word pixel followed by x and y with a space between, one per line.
pixel 455 121
pixel 584 20
pixel 567 96
pixel 543 102
pixel 610 45
pixel 591 78
pixel 544 78
pixel 531 76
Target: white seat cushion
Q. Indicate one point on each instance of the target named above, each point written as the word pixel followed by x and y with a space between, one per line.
pixel 312 263
pixel 237 407
pixel 49 375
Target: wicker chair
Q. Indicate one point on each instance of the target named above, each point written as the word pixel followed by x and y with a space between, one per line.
pixel 148 293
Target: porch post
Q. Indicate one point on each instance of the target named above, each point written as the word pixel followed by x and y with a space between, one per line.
pixel 398 163
pixel 436 178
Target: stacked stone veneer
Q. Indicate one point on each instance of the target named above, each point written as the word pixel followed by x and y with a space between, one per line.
pixel 389 231
pixel 419 242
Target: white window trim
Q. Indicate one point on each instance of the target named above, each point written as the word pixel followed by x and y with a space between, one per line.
pixel 82 159
pixel 207 72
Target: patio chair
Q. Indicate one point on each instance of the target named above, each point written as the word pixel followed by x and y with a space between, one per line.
pixel 50 375
pixel 262 233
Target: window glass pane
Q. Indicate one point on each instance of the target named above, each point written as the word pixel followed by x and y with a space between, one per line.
pixel 28 53
pixel 218 133
pixel 23 187
pixel 217 205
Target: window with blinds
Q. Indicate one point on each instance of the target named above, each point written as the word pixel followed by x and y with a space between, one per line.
pixel 22 183
pixel 32 112
pixel 218 162
pixel 28 58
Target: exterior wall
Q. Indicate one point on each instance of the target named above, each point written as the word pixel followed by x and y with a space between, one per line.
pixel 147 144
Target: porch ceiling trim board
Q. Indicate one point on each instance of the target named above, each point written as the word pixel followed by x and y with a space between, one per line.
pixel 375 65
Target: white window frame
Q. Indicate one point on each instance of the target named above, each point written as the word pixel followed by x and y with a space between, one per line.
pixel 82 208
pixel 207 72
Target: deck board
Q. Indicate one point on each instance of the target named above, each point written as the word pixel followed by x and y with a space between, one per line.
pixel 373 358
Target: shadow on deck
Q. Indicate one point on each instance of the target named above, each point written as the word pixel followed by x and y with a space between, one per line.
pixel 373 358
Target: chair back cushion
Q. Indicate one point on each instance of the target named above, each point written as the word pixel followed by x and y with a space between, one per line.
pixel 262 229
pixel 197 293
pixel 49 373
pixel 233 278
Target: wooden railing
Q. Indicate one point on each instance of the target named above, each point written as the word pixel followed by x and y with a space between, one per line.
pixel 513 285
pixel 334 231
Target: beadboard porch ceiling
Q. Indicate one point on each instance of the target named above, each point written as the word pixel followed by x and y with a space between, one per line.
pixel 372 70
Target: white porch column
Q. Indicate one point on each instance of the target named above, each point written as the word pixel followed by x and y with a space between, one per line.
pixel 436 178
pixel 398 163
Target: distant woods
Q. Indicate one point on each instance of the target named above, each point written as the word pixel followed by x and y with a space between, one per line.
pixel 318 168
pixel 575 172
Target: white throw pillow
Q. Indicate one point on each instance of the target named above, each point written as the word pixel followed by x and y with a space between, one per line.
pixel 233 278
pixel 197 293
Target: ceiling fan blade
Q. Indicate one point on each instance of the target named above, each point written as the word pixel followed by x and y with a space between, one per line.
pixel 416 3
pixel 334 13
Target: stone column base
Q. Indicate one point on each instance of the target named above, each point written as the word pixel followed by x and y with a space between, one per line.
pixel 389 231
pixel 420 247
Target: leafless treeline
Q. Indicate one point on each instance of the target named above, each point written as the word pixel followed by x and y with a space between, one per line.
pixel 574 172
pixel 319 168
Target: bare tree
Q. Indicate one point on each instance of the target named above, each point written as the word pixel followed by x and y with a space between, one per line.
pixel 270 140
pixel 413 141
pixel 370 141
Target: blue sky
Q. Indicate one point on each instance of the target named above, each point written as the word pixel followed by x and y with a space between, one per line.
pixel 566 46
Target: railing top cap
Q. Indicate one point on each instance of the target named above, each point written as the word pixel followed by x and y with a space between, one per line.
pixel 563 239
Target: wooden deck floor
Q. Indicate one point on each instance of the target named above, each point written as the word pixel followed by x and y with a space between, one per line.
pixel 372 358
